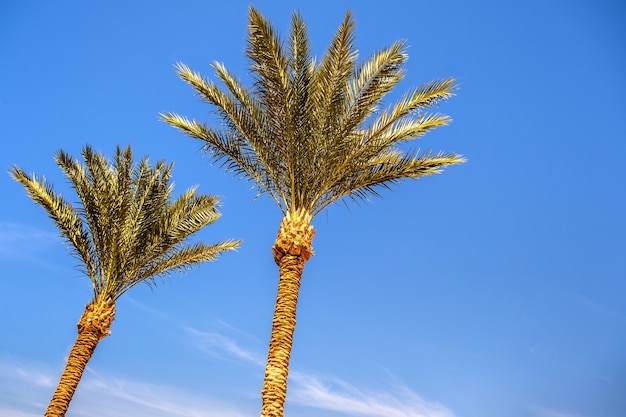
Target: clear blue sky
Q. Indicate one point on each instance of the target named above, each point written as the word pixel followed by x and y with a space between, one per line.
pixel 493 290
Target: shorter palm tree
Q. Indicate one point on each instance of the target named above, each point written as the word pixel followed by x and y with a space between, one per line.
pixel 127 231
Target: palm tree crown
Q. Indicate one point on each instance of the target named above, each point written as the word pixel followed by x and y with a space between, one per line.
pixel 127 231
pixel 311 133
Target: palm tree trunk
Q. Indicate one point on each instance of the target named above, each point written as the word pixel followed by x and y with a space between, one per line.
pixel 292 249
pixel 93 326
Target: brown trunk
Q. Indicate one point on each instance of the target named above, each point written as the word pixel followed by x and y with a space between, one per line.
pixel 292 249
pixel 93 326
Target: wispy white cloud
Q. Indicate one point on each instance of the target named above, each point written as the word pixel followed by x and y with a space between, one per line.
pixel 598 309
pixel 221 346
pixel 549 412
pixel 12 412
pixel 326 393
pixel 24 387
pixel 22 242
pixel 226 342
pixel 27 388
pixel 142 398
pixel 31 375
pixel 337 395
pixel 160 315
pixel 22 234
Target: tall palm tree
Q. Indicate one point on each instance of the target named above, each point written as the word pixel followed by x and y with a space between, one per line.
pixel 126 231
pixel 310 133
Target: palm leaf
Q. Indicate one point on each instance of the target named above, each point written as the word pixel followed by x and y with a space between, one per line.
pixel 126 224
pixel 65 217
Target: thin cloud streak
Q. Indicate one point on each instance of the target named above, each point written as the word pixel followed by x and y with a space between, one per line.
pixel 30 375
pixel 546 412
pixel 305 388
pixel 136 397
pixel 99 396
pixel 598 309
pixel 220 346
pixel 338 395
pixel 26 387
pixel 22 235
pixel 111 396
pixel 326 393
pixel 11 412
pixel 24 243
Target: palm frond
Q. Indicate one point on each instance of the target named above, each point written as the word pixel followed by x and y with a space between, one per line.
pixel 63 214
pixel 332 75
pixel 180 261
pixel 426 95
pixel 401 131
pixel 229 148
pixel 384 171
pixel 127 228
pixel 269 67
pixel 310 133
pixel 372 81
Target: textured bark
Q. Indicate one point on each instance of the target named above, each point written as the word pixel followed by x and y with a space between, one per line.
pixel 292 249
pixel 93 326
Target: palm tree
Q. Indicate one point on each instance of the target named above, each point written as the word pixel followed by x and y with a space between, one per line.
pixel 127 231
pixel 310 133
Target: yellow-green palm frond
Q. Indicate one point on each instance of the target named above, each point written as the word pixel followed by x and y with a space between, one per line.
pixel 405 129
pixel 272 86
pixel 127 229
pixel 371 81
pixel 425 96
pixel 227 105
pixel 246 146
pixel 301 64
pixel 66 218
pixel 269 64
pixel 312 132
pixel 383 171
pixel 185 258
pixel 331 82
pixel 231 149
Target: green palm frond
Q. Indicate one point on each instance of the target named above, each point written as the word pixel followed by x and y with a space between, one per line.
pixel 310 133
pixel 269 64
pixel 371 82
pixel 229 148
pixel 422 97
pixel 127 229
pixel 63 214
pixel 187 257
pixel 331 80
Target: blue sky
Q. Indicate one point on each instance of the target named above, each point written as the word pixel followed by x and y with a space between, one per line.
pixel 495 289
